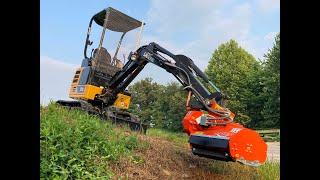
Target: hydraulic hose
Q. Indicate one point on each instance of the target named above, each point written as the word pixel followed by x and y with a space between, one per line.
pixel 224 114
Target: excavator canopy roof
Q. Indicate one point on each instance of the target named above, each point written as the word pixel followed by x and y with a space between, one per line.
pixel 117 21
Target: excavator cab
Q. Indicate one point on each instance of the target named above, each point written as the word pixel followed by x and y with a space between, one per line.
pixel 98 69
pixel 115 21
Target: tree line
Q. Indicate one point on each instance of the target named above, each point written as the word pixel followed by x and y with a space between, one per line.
pixel 253 86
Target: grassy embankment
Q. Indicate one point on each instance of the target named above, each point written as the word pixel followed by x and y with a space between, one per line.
pixel 74 145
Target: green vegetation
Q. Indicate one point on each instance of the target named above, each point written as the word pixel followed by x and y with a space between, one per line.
pixel 181 138
pixel 268 171
pixel 271 90
pixel 161 105
pixel 232 69
pixel 74 145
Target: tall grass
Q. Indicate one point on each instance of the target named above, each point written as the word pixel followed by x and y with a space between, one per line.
pixel 74 145
pixel 269 171
pixel 180 138
pixel 232 170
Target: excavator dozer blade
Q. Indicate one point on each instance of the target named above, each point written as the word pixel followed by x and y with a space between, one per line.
pixel 231 142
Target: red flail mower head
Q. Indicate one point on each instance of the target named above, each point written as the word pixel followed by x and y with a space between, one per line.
pixel 226 142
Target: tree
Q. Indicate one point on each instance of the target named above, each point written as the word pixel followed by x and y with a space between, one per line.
pixel 171 107
pixel 161 105
pixel 144 95
pixel 235 71
pixel 271 90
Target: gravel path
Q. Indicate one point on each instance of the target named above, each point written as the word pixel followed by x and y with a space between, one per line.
pixel 273 151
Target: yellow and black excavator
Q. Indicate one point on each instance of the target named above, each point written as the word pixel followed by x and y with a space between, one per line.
pixel 99 87
pixel 90 86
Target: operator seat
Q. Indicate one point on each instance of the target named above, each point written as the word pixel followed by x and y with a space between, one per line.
pixel 102 62
pixel 101 59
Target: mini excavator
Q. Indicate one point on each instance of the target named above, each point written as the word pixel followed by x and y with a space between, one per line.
pixel 99 87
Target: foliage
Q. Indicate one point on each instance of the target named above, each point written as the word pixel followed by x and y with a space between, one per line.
pixel 161 105
pixel 234 70
pixel 144 94
pixel 271 90
pixel 170 107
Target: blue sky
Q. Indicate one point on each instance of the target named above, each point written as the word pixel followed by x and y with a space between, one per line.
pixel 194 28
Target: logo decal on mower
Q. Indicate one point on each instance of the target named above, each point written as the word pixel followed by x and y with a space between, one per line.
pixel 235 130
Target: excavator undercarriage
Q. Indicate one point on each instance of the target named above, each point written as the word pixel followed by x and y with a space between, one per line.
pixel 118 117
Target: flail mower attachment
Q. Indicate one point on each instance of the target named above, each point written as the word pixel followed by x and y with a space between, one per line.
pixel 225 142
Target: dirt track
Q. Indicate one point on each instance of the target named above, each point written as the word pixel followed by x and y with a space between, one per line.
pixel 163 160
pixel 273 151
pixel 166 160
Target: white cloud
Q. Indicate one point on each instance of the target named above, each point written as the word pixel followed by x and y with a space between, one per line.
pixel 270 36
pixel 268 5
pixel 258 46
pixel 234 22
pixel 55 79
pixel 251 45
pixel 168 15
pixel 209 23
pixel 158 74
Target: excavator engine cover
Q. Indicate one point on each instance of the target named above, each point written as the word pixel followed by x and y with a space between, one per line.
pixel 229 142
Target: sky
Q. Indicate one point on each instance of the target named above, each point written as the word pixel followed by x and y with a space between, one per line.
pixel 194 28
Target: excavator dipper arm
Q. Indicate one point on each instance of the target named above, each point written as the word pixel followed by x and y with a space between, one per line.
pixel 180 66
